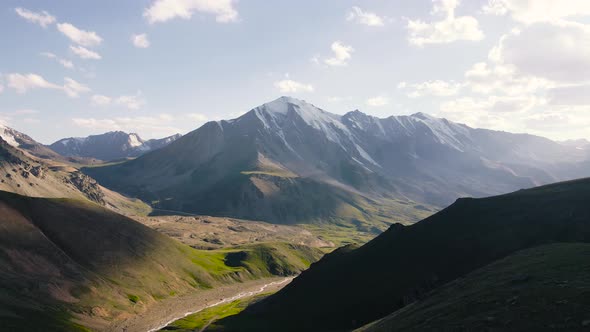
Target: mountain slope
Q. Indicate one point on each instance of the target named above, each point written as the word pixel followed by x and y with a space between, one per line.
pixel 65 264
pixel 24 142
pixel 540 289
pixel 109 146
pixel 288 161
pixel 351 287
pixel 25 174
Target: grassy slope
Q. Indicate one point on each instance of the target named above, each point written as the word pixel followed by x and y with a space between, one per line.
pixel 62 258
pixel 538 289
pixel 405 262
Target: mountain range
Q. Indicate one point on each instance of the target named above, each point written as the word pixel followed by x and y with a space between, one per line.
pixel 288 161
pixel 109 146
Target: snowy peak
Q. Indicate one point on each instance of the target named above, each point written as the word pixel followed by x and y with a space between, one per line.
pixel 8 135
pixel 109 146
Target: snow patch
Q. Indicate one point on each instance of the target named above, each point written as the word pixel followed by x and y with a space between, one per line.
pixel 366 156
pixel 7 134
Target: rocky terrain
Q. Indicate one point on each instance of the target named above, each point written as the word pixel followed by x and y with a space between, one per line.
pixel 205 232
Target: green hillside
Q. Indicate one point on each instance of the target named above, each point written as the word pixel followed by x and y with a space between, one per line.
pixel 350 288
pixel 65 264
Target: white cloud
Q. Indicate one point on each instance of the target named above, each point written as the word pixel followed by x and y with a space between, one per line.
pixel 447 30
pixel 164 10
pixel 198 117
pixel 78 36
pixel 73 89
pixel 377 101
pixel 531 11
pixel 64 62
pixel 161 124
pixel 495 7
pixel 342 53
pixel 569 95
pixel 557 51
pixel 496 104
pixel 43 18
pixel 140 41
pixel 290 86
pixel 501 78
pixel 359 16
pixel 436 88
pixel 100 100
pixel 25 82
pixel 85 53
pixel 132 102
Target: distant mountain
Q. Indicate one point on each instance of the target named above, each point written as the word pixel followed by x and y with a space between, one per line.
pixel 288 161
pixel 354 286
pixel 109 146
pixel 21 141
pixel 580 144
pixel 71 265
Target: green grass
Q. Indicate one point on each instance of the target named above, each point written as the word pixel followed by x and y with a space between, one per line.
pixel 207 317
pixel 133 298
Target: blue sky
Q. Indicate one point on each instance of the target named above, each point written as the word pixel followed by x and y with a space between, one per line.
pixel 74 68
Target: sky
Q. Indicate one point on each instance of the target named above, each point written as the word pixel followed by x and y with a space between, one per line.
pixel 158 67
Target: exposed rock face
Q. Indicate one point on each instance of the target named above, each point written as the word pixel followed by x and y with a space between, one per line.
pixel 88 186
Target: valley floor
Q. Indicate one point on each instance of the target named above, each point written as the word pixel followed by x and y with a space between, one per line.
pixel 167 311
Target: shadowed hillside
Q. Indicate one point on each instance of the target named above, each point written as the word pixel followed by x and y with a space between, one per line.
pixel 350 288
pixel 545 288
pixel 67 263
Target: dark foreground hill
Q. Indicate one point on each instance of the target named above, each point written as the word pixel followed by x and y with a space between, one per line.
pixel 352 287
pixel 546 288
pixel 67 265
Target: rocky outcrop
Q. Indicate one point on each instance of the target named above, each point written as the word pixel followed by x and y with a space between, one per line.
pixel 88 186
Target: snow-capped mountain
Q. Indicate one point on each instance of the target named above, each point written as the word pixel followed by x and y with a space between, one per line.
pixel 109 146
pixel 26 143
pixel 290 161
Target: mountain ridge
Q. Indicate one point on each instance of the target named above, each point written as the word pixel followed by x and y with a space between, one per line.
pixel 109 146
pixel 258 165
